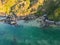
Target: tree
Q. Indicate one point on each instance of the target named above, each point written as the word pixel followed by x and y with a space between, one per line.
pixel 50 6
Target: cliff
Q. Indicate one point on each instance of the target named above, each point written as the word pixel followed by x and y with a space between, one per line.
pixel 19 7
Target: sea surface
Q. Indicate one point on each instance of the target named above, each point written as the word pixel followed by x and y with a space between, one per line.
pixel 28 34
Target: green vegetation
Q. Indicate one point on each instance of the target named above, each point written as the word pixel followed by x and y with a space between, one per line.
pixel 51 8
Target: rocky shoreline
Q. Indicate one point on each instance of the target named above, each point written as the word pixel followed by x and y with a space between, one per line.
pixel 29 19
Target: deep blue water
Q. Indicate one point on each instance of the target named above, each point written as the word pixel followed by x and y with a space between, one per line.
pixel 28 35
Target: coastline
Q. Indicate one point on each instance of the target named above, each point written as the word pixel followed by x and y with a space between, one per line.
pixel 35 22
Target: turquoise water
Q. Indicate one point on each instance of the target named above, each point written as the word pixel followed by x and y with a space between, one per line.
pixel 28 35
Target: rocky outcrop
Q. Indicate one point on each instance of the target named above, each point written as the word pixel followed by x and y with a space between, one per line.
pixel 20 7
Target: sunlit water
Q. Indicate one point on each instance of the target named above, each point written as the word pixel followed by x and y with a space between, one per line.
pixel 28 34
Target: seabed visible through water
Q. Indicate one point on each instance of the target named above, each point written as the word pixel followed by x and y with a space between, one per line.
pixel 28 34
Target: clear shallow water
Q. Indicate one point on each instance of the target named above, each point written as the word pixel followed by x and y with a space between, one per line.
pixel 28 35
